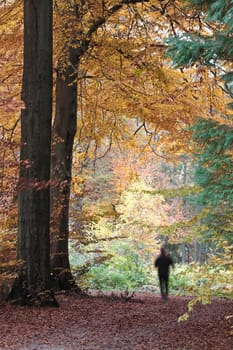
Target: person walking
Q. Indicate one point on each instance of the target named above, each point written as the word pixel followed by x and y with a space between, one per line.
pixel 163 263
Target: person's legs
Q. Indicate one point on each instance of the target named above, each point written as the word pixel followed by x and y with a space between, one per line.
pixel 166 285
pixel 163 286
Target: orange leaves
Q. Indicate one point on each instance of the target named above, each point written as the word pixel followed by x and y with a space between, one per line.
pixel 132 82
pixel 77 184
pixel 10 101
pixel 11 36
pixel 124 74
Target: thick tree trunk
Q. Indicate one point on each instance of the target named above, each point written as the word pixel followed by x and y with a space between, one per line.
pixel 64 129
pixel 34 195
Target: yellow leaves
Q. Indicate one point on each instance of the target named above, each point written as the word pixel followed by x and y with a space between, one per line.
pixel 11 36
pixel 77 183
pixel 184 317
pixel 229 318
pixel 204 299
pixel 7 247
pixel 128 75
pixel 11 15
pixel 141 207
pixel 146 89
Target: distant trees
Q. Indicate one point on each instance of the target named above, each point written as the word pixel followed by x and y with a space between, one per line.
pixel 10 104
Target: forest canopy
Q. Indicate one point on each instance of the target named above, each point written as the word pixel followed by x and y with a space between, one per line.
pixel 116 137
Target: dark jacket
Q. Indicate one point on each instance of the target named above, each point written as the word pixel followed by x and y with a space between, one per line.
pixel 163 263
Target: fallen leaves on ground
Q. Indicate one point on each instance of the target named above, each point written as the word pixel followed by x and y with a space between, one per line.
pixel 144 322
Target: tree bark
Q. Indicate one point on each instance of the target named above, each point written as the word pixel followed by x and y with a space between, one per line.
pixel 64 130
pixel 33 247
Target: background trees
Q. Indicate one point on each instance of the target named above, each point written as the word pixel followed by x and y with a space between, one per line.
pixel 10 103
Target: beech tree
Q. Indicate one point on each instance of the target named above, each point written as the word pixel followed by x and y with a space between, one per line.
pixel 65 122
pixel 91 27
pixel 34 194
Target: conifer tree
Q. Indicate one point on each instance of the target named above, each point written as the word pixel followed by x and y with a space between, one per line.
pixel 211 47
pixel 213 173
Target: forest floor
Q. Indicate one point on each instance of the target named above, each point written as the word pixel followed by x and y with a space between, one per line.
pixel 144 322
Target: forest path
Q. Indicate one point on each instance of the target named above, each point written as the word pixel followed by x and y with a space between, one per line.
pixel 109 323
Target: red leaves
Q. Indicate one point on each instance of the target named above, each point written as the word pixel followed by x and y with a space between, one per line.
pixel 107 323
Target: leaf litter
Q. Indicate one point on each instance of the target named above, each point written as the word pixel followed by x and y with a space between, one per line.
pixel 110 322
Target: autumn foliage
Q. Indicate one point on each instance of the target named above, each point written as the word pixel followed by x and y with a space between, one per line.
pixel 127 100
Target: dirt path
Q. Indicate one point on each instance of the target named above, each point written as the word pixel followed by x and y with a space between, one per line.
pixel 145 323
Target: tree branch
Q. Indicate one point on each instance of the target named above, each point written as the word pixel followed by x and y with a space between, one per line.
pixel 100 21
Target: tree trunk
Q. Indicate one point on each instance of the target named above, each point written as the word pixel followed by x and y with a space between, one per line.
pixel 64 130
pixel 34 195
